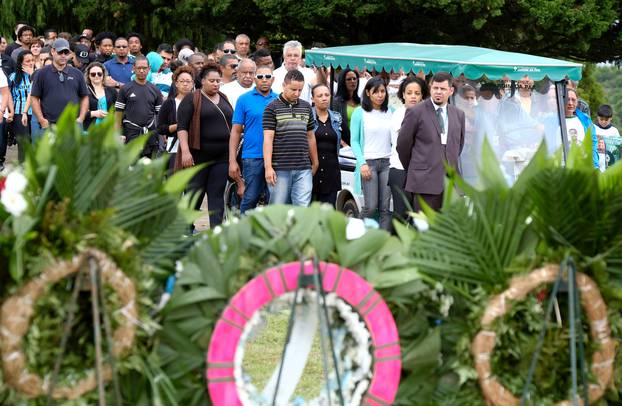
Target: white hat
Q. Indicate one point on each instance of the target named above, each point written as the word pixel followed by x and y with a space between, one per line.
pixel 184 54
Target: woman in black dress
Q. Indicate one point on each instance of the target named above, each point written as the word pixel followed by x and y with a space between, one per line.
pixel 203 128
pixel 328 124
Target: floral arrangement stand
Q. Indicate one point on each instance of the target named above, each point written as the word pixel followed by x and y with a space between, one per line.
pixel 596 311
pixel 18 310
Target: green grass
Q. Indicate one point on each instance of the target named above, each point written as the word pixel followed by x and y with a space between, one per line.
pixel 263 352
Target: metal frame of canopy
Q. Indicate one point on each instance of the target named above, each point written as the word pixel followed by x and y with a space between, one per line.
pixel 473 62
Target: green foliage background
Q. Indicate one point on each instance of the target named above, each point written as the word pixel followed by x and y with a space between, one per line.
pixel 583 30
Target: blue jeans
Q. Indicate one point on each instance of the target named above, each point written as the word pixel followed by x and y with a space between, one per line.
pixel 36 132
pixel 293 186
pixel 377 193
pixel 254 183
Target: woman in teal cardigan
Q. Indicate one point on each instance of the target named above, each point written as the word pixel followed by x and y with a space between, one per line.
pixel 370 132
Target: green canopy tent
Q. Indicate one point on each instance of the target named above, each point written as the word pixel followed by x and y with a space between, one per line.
pixel 473 62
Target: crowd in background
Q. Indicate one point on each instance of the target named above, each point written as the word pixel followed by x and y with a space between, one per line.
pixel 275 130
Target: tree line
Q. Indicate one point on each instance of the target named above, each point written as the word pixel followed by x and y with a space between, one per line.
pixel 587 30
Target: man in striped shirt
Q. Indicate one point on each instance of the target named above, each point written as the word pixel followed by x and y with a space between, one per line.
pixel 289 149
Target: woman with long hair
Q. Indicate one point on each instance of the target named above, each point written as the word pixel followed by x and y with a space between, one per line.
pixel 20 84
pixel 370 129
pixel 328 124
pixel 183 81
pixel 203 128
pixel 412 90
pixel 347 98
pixel 101 97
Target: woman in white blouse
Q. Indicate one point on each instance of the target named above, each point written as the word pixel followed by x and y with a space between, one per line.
pixel 412 90
pixel 370 132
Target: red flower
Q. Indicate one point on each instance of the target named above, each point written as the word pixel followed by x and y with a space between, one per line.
pixel 542 295
pixel 2 182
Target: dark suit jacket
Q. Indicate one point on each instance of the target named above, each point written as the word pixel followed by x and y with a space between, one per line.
pixel 419 147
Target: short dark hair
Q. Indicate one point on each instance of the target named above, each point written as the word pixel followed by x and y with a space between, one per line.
pixel 48 31
pixel 316 86
pixel 210 67
pixel 135 35
pixel 342 90
pixel 119 39
pixel 20 32
pixel 294 76
pixel 103 35
pixel 371 86
pixel 425 92
pixel 260 53
pixel 219 46
pixel 165 48
pixel 184 42
pixel 141 58
pixel 225 58
pixel 440 77
pixel 605 111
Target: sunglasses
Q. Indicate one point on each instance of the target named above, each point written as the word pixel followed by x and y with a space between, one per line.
pixel 61 77
pixel 261 77
pixel 93 74
pixel 120 46
pixel 64 52
pixel 233 66
pixel 229 51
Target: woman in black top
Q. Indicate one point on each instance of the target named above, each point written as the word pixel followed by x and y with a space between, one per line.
pixel 328 124
pixel 183 80
pixel 203 127
pixel 101 97
pixel 347 98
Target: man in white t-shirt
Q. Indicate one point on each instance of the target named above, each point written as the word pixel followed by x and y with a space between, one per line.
pixel 243 83
pixel 574 126
pixel 6 103
pixel 578 124
pixel 292 58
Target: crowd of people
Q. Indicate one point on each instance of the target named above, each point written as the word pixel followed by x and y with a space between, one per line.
pixel 276 131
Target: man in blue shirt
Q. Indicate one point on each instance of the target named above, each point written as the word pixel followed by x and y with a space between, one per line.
pixel 247 118
pixel 120 68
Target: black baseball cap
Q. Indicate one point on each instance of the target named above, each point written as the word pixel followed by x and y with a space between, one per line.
pixel 82 53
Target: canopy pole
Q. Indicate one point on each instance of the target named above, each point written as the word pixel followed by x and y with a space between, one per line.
pixel 560 91
pixel 332 83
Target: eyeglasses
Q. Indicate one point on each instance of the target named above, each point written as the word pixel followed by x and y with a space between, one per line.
pixel 261 77
pixel 120 46
pixel 233 66
pixel 352 79
pixel 61 77
pixel 229 51
pixel 93 74
pixel 64 52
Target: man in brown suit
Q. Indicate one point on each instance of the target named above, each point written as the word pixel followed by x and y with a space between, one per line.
pixel 432 133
